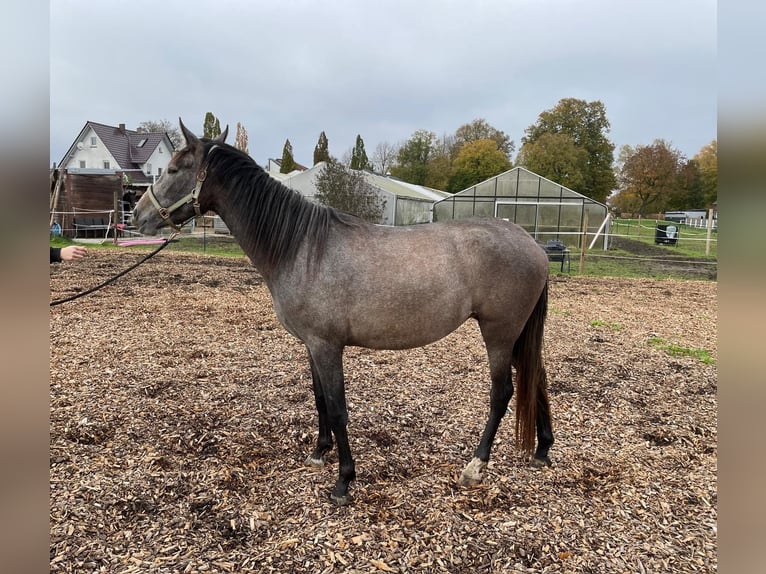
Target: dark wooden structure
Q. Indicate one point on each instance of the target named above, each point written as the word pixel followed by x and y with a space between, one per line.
pixel 83 203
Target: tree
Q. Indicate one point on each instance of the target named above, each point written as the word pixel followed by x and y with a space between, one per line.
pixel 479 129
pixel 288 162
pixel 587 125
pixel 349 191
pixel 649 177
pixel 359 155
pixel 707 162
pixel 162 126
pixel 412 157
pixel 384 157
pixel 212 127
pixel 478 160
pixel 556 157
pixel 321 150
pixel 240 140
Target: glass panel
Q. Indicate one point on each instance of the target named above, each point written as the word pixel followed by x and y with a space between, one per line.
pixel 570 219
pixel 525 216
pixel 484 208
pixel 506 211
pixel 549 189
pixel 463 208
pixel 506 185
pixel 548 219
pixel 409 212
pixel 486 189
pixel 443 210
pixel 528 184
pixel 596 215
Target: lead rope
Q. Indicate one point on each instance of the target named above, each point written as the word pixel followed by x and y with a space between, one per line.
pixel 112 279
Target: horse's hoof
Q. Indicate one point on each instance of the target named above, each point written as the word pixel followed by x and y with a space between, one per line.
pixel 473 474
pixel 314 462
pixel 540 462
pixel 467 481
pixel 344 500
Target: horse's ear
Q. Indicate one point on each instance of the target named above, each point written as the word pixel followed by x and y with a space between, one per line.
pixel 222 138
pixel 191 139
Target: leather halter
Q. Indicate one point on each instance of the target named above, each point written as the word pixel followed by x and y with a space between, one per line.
pixel 191 197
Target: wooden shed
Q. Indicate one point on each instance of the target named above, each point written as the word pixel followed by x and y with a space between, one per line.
pixel 86 204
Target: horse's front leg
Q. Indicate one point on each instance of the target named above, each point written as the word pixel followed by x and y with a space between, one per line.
pixel 327 361
pixel 324 440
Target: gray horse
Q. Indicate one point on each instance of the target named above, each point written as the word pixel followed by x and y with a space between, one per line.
pixel 330 288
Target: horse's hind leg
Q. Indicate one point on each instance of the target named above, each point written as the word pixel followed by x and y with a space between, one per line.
pixel 499 397
pixel 543 424
pixel 324 440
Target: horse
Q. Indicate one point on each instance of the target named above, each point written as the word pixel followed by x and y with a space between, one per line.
pixel 337 281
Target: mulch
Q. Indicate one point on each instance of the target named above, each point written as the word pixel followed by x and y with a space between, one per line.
pixel 181 413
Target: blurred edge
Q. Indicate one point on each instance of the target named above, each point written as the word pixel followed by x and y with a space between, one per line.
pixel 742 187
pixel 24 105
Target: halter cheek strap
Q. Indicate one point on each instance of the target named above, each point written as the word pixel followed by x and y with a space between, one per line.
pixel 191 197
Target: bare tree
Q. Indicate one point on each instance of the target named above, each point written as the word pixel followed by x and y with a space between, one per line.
pixel 384 157
pixel 162 126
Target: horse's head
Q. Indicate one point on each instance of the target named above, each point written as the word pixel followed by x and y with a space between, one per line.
pixel 174 197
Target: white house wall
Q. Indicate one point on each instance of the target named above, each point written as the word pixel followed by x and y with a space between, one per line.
pixel 158 160
pixel 93 156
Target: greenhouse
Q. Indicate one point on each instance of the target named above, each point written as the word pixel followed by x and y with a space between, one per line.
pixel 545 209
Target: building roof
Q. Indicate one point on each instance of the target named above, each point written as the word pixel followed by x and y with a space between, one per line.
pixel 298 166
pixel 404 189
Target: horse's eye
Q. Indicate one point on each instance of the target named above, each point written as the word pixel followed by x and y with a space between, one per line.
pixel 172 168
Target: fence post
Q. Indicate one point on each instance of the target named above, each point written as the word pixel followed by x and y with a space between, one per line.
pixel 584 241
pixel 709 231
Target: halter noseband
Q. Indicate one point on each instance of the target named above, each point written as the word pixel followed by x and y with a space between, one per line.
pixel 191 197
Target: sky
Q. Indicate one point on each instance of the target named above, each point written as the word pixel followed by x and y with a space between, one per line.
pixel 382 69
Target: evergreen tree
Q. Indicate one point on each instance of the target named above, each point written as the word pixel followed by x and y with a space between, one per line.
pixel 321 150
pixel 288 162
pixel 212 126
pixel 359 155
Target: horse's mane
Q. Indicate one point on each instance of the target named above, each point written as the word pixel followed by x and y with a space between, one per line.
pixel 274 220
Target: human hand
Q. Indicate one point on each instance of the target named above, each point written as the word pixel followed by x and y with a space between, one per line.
pixel 73 252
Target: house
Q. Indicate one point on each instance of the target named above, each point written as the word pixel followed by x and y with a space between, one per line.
pixel 99 148
pixel 102 174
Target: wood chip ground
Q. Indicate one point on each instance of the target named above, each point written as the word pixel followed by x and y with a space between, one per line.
pixel 181 413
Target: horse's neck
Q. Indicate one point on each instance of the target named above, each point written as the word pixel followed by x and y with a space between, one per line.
pixel 240 223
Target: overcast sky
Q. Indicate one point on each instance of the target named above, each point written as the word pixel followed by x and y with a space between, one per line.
pixel 382 69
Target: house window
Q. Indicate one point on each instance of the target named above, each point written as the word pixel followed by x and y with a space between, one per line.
pixel 93 141
pixel 159 149
pixel 141 143
pixel 106 164
pixel 82 164
pixel 148 169
pixel 159 171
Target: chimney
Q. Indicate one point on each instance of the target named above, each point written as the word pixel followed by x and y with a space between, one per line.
pixel 122 129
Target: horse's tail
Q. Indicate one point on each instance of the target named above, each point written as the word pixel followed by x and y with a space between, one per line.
pixel 531 380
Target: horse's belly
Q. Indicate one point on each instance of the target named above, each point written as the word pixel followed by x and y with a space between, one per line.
pixel 402 332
